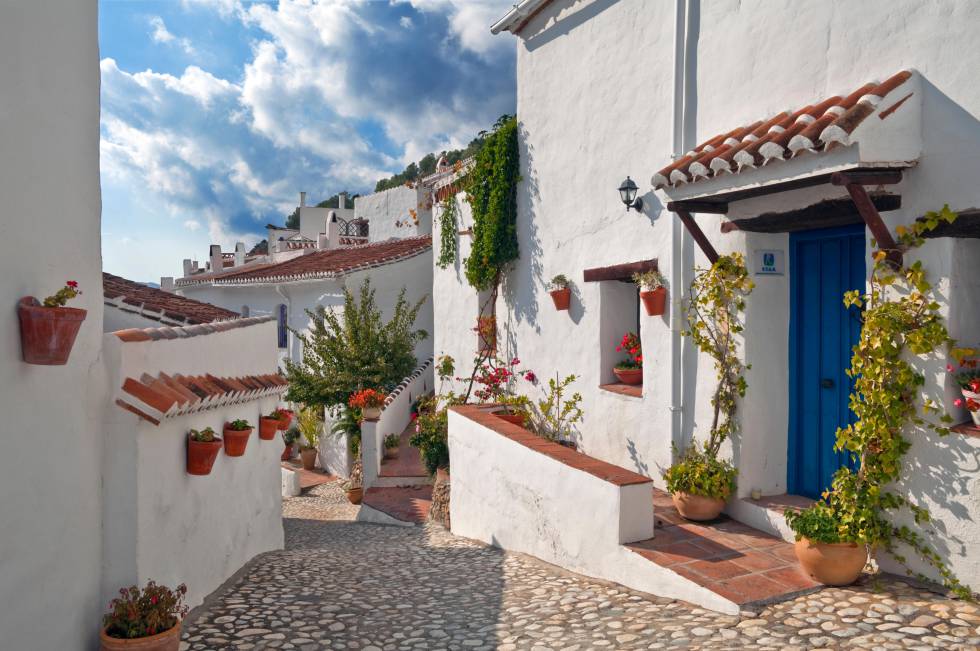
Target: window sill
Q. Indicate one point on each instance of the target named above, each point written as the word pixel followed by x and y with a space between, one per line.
pixel 631 390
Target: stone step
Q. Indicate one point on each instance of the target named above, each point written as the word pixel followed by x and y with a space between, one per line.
pixel 746 566
pixel 408 504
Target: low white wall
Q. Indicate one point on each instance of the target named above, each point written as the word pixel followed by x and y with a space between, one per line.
pixel 394 418
pixel 510 496
pixel 388 215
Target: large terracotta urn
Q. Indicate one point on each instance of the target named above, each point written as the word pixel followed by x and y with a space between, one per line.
pixel 697 507
pixel 831 563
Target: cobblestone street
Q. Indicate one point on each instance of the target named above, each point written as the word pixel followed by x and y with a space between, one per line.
pixel 346 585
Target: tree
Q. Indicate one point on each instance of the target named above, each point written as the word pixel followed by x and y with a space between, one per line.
pixel 262 248
pixel 292 220
pixel 354 350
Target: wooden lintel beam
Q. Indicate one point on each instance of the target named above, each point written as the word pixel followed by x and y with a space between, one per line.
pixel 698 235
pixel 875 224
pixel 871 177
pixel 619 271
pixel 713 207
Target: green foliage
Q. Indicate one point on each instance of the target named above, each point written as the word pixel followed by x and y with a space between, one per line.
pixel 205 435
pixel 262 248
pixel 445 367
pixel 392 441
pixel 900 320
pixel 557 412
pixel 717 297
pixel 491 188
pixel 349 424
pixel 292 219
pixel 309 424
pixel 415 171
pixel 291 435
pixel 448 227
pixel 650 280
pixel 558 282
pixel 355 350
pixel 700 472
pixel 432 435
pixel 239 425
pixel 137 613
pixel 61 297
pixel 819 523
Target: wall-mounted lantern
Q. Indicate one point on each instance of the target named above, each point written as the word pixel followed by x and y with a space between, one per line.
pixel 627 192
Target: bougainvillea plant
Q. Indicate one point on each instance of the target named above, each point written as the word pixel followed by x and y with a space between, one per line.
pixel 630 344
pixel 366 399
pixel 63 295
pixel 139 613
pixel 900 321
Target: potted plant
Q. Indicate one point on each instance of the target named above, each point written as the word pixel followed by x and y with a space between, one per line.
pixel 561 293
pixel 147 619
pixel 284 416
pixel 354 485
pixel 236 435
pixel 269 425
pixel 369 402
pixel 630 370
pixel 653 291
pixel 827 549
pixel 556 413
pixel 700 482
pixel 309 427
pixel 431 436
pixel 289 438
pixel 48 329
pixel 202 449
pixel 391 443
pixel 969 382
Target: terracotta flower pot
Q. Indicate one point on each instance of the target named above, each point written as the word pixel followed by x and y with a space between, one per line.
pixel 47 334
pixel 268 428
pixel 442 474
pixel 629 375
pixel 283 423
pixel 201 455
pixel 831 563
pixel 355 495
pixel 654 300
pixel 391 453
pixel 561 298
pixel 697 507
pixel 975 415
pixel 371 413
pixel 235 441
pixel 169 640
pixel 517 419
pixel 308 455
pixel 287 453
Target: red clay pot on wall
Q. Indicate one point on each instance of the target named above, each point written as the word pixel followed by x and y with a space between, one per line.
pixel 561 297
pixel 629 375
pixel 283 423
pixel 655 301
pixel 47 334
pixel 201 455
pixel 287 453
pixel 268 428
pixel 169 640
pixel 235 441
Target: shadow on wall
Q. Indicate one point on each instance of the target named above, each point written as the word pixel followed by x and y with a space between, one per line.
pixel 565 25
pixel 526 275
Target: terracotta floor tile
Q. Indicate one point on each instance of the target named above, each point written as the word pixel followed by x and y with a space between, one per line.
pixel 748 588
pixel 670 535
pixel 785 552
pixel 758 561
pixel 792 577
pixel 717 569
pixel 681 552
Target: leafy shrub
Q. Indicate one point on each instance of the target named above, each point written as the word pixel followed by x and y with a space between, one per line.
pixel 558 282
pixel 291 435
pixel 432 435
pixel 239 425
pixel 205 435
pixel 139 613
pixel 650 280
pixel 698 472
pixel 392 441
pixel 557 413
pixel 349 424
pixel 818 523
pixel 310 427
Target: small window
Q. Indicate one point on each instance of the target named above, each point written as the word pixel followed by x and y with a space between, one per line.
pixel 283 331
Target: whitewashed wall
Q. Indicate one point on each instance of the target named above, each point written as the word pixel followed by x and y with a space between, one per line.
pixel 50 541
pixel 750 61
pixel 388 216
pixel 160 522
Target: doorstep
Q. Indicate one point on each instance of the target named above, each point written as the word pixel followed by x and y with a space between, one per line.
pixel 746 566
pixel 406 503
pixel 766 513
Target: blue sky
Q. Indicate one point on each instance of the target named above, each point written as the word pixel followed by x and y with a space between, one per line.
pixel 216 113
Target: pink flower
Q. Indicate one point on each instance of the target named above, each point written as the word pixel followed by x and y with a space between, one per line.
pixel 949 368
pixel 515 362
pixel 530 376
pixel 73 284
pixel 958 402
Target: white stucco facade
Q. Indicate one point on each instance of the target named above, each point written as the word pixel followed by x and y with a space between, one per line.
pixel 625 111
pixel 389 213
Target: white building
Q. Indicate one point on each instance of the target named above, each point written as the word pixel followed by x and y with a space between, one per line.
pixel 780 96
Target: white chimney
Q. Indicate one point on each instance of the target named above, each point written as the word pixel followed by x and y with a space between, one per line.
pixel 188 268
pixel 215 255
pixel 302 199
pixel 239 253
pixel 333 230
pixel 322 241
pixel 195 267
pixel 167 283
pixel 342 201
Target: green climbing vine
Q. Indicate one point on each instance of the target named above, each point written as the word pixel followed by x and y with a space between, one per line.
pixel 900 319
pixel 491 189
pixel 448 226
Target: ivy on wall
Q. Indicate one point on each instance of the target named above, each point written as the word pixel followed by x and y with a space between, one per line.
pixel 448 226
pixel 491 188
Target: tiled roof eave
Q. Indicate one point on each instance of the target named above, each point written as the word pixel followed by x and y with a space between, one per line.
pixel 131 335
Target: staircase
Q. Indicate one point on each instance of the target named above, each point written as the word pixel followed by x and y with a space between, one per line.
pixel 403 488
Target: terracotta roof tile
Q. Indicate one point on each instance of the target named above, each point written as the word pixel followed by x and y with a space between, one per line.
pixel 815 128
pixel 159 305
pixel 321 264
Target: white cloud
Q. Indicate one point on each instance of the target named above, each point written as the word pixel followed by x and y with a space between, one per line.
pixel 192 225
pixel 406 22
pixel 161 34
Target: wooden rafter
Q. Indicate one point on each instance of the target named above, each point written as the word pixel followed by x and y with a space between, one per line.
pixel 698 235
pixel 854 182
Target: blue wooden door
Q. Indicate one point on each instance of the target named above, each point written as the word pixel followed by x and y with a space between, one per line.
pixel 823 265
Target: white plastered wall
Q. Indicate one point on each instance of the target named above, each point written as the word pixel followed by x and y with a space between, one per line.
pixel 50 542
pixel 388 215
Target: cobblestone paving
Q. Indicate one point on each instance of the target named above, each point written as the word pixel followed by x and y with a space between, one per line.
pixel 346 585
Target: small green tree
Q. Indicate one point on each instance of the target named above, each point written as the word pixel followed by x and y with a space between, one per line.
pixel 354 350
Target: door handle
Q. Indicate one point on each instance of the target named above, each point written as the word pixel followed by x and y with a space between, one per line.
pixel 826 383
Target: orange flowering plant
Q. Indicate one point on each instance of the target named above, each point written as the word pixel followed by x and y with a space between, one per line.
pixel 366 399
